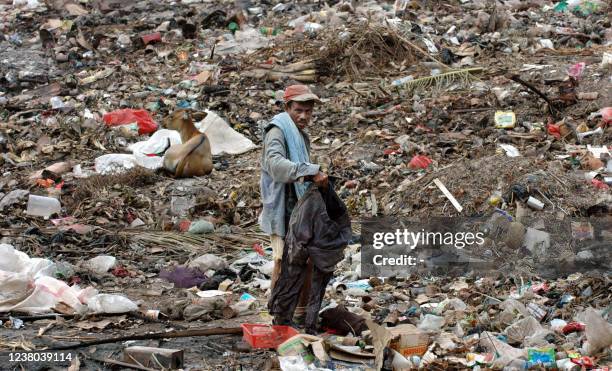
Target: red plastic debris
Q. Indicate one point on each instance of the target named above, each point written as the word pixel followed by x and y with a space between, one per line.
pixel 576 70
pixel 583 361
pixel 572 327
pixel 541 288
pixel 599 184
pixel 419 162
pixel 130 217
pixel 266 336
pixel 606 114
pixel 151 38
pixel 44 183
pixel 259 249
pixel 554 130
pixel 120 271
pixel 145 122
pixel 184 225
pixel 391 151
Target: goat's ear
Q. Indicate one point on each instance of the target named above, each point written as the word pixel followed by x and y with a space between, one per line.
pixel 199 116
pixel 185 115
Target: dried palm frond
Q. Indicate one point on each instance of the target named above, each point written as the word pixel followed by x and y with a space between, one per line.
pixel 442 80
pixel 173 241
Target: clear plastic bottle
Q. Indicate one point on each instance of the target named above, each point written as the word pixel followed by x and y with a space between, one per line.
pixel 43 206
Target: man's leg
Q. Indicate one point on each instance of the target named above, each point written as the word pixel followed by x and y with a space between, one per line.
pixel 320 280
pixel 278 244
pixel 286 292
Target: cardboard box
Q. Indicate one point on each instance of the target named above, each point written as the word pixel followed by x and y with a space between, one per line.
pixel 154 357
pixel 409 340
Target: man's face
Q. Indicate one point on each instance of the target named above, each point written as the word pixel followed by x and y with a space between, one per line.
pixel 300 113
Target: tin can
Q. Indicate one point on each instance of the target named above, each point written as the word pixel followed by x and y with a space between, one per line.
pixel 534 203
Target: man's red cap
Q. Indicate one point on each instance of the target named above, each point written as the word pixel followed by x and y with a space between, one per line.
pixel 299 93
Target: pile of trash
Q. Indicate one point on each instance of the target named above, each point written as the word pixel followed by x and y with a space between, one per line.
pixel 29 286
pixel 496 111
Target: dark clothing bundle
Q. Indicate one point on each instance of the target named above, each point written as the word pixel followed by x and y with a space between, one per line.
pixel 319 230
pixel 343 321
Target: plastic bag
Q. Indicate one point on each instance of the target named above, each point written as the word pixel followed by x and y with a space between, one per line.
pixel 505 353
pixel 454 303
pixel 208 261
pixel 157 144
pixel 14 261
pixel 45 295
pixel 120 162
pixel 419 162
pixel 114 163
pixel 576 70
pixel 141 117
pixel 109 303
pixel 223 139
pixel 557 325
pixel 431 322
pixel 201 227
pixel 29 3
pixel 101 264
pixel 598 332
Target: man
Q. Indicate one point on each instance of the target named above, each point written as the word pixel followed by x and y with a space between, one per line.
pixel 285 166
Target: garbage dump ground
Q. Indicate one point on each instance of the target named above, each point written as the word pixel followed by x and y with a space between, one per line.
pixel 494 111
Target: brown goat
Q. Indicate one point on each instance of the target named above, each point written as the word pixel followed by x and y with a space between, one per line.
pixel 193 156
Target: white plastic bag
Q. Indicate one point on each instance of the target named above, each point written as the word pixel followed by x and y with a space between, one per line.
pixel 223 139
pixel 505 352
pixel 208 261
pixel 114 163
pixel 598 332
pixel 31 4
pixel 158 143
pixel 47 293
pixel 109 303
pixel 101 264
pixel 431 322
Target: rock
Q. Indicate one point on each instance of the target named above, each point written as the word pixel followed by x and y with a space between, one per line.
pixel 61 57
pixel 515 235
pixel 201 227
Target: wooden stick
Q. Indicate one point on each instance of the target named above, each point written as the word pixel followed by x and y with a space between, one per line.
pixel 516 78
pixel 156 335
pixel 412 45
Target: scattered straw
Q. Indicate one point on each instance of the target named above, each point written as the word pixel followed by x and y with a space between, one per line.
pixel 92 186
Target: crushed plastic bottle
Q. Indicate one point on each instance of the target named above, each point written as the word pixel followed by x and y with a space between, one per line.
pixel 43 206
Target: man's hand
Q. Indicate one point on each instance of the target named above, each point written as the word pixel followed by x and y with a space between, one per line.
pixel 320 179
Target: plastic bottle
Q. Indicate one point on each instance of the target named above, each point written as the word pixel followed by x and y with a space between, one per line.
pixel 402 81
pixel 43 206
pixel 269 31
